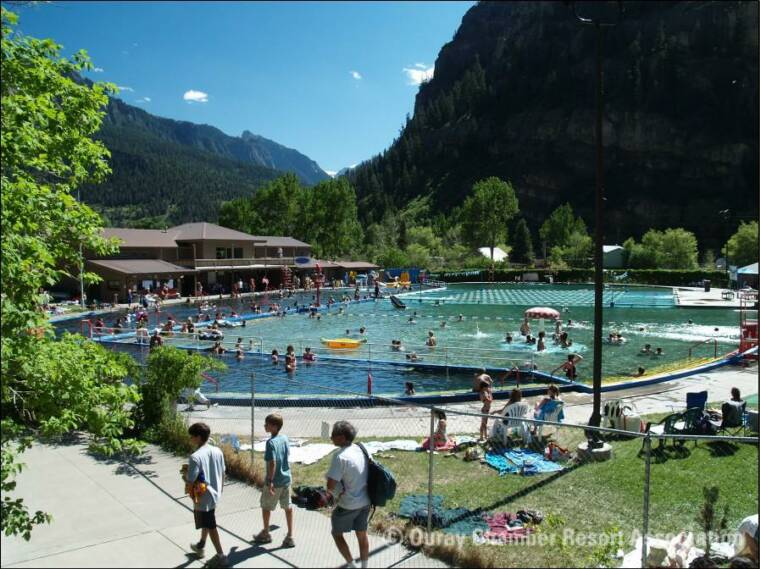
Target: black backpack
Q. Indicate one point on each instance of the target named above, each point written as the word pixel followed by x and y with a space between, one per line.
pixel 381 485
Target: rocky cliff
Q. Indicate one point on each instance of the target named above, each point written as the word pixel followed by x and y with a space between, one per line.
pixel 513 95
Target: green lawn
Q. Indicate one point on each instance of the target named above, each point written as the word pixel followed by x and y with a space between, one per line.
pixel 591 497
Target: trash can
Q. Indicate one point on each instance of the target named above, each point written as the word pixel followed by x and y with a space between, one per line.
pixel 707 285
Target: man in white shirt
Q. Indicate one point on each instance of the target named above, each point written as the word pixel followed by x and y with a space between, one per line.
pixel 347 481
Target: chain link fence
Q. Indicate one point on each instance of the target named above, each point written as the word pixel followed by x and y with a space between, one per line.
pixel 527 494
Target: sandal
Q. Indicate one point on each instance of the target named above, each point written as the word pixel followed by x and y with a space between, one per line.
pixel 263 537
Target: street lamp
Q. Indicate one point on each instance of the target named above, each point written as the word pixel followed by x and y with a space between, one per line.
pixel 726 214
pixel 599 25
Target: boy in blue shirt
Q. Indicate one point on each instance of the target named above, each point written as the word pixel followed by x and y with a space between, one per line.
pixel 277 481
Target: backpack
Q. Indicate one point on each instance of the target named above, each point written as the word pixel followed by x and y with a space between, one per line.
pixel 381 485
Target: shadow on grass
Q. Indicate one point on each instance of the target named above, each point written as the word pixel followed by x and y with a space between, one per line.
pixel 663 453
pixel 722 448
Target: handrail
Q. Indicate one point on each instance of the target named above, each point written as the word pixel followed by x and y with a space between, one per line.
pixel 707 341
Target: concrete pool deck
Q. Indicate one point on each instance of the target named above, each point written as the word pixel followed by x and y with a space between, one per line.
pixel 414 421
pixel 696 297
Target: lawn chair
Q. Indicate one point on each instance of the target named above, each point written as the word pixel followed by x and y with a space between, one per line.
pixel 552 411
pixel 512 421
pixel 685 423
pixel 696 400
pixel 733 419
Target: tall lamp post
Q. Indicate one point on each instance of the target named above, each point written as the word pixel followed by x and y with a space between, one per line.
pixel 599 25
pixel 81 264
pixel 726 214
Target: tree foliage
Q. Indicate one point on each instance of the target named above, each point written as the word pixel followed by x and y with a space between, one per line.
pixel 560 225
pixel 324 216
pixel 668 249
pixel 487 212
pixel 743 245
pixel 49 387
pixel 522 244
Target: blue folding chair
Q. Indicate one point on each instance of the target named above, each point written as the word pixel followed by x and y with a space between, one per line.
pixel 696 400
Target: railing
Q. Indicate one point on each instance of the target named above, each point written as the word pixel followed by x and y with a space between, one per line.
pixel 713 340
pixel 247 262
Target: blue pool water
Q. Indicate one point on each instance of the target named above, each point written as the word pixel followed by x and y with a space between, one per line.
pixel 478 339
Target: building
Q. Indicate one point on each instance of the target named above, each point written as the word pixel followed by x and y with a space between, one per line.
pixel 194 255
pixel 747 276
pixel 612 257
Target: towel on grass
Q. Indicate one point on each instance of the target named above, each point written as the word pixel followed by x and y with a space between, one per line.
pixel 505 526
pixel 399 444
pixel 456 521
pixel 306 454
pixel 520 461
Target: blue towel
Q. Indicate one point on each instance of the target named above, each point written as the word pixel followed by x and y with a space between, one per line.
pixel 520 461
pixel 549 407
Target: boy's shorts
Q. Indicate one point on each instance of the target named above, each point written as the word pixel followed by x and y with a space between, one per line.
pixel 281 495
pixel 344 521
pixel 205 520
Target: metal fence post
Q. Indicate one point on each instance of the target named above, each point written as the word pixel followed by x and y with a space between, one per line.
pixel 253 413
pixel 647 463
pixel 431 448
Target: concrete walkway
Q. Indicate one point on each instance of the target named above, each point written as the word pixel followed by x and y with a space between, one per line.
pixel 107 513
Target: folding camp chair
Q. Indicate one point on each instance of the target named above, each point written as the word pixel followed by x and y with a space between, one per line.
pixel 696 400
pixel 684 423
pixel 733 419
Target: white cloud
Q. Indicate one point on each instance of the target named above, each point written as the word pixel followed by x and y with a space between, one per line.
pixel 418 74
pixel 125 88
pixel 355 74
pixel 352 166
pixel 143 100
pixel 97 70
pixel 193 96
pixel 331 173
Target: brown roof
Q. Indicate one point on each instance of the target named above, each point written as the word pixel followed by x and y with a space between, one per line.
pixel 357 265
pixel 141 237
pixel 312 264
pixel 203 230
pixel 139 266
pixel 274 241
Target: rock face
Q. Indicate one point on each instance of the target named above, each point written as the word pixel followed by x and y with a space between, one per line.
pixel 249 148
pixel 513 96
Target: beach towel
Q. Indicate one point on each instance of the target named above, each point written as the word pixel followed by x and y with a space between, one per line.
pixel 520 461
pixel 399 444
pixel 505 526
pixel 448 445
pixel 455 521
pixel 306 454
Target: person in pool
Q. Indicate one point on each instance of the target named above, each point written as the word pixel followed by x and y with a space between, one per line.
pixel 409 389
pixel 308 355
pixel 530 339
pixel 508 338
pixel 647 349
pixel 639 372
pixel 275 357
pixel 541 346
pixel 461 317
pixel 658 352
pixel 525 327
pixel 431 342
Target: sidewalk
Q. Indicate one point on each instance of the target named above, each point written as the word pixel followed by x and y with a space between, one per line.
pixel 107 513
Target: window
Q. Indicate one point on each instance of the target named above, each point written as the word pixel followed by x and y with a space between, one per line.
pixel 223 253
pixel 238 253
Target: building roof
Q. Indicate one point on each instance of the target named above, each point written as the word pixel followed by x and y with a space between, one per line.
pixel 748 270
pixel 274 241
pixel 357 265
pixel 312 264
pixel 610 248
pixel 139 266
pixel 203 230
pixel 498 253
pixel 141 237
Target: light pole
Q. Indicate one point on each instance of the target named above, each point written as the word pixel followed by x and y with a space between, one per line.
pixel 726 214
pixel 599 25
pixel 81 264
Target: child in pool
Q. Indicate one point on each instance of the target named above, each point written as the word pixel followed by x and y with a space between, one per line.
pixel 275 357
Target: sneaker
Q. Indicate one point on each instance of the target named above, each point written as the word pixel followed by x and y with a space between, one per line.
pixel 288 542
pixel 199 551
pixel 262 537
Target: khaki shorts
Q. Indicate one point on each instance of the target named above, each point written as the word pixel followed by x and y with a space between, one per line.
pixel 281 495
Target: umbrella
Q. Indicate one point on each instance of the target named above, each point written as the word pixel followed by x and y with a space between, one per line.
pixel 542 312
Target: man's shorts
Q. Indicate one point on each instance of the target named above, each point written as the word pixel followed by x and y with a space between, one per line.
pixel 281 495
pixel 205 520
pixel 344 521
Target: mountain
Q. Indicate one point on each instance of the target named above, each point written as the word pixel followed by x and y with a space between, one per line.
pixel 167 172
pixel 513 95
pixel 344 171
pixel 249 147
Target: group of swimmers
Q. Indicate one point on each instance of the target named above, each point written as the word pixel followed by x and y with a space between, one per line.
pixel 290 358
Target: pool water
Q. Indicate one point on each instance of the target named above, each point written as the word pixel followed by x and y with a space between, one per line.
pixel 478 339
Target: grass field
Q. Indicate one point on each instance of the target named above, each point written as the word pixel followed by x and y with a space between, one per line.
pixel 585 499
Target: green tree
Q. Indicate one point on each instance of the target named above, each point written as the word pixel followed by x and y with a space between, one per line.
pixel 392 257
pixel 48 120
pixel 560 225
pixel 671 248
pixel 330 218
pixel 636 256
pixel 743 245
pixel 522 247
pixel 487 211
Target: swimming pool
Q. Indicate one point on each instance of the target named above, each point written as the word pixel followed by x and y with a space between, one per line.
pixel 478 339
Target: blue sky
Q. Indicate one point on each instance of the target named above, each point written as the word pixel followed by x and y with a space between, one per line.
pixel 333 80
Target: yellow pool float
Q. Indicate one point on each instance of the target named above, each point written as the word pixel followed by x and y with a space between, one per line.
pixel 342 343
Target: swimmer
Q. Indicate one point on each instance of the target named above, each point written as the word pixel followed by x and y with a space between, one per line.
pixel 412 320
pixel 530 339
pixel 308 355
pixel 639 372
pixel 461 317
pixel 658 352
pixel 647 349
pixel 362 330
pixel 690 321
pixel 508 338
pixel 409 389
pixel 431 342
pixel 413 357
pixel 525 327
pixel 443 323
pixel 275 357
pixel 239 354
pixel 239 344
pixel 541 345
